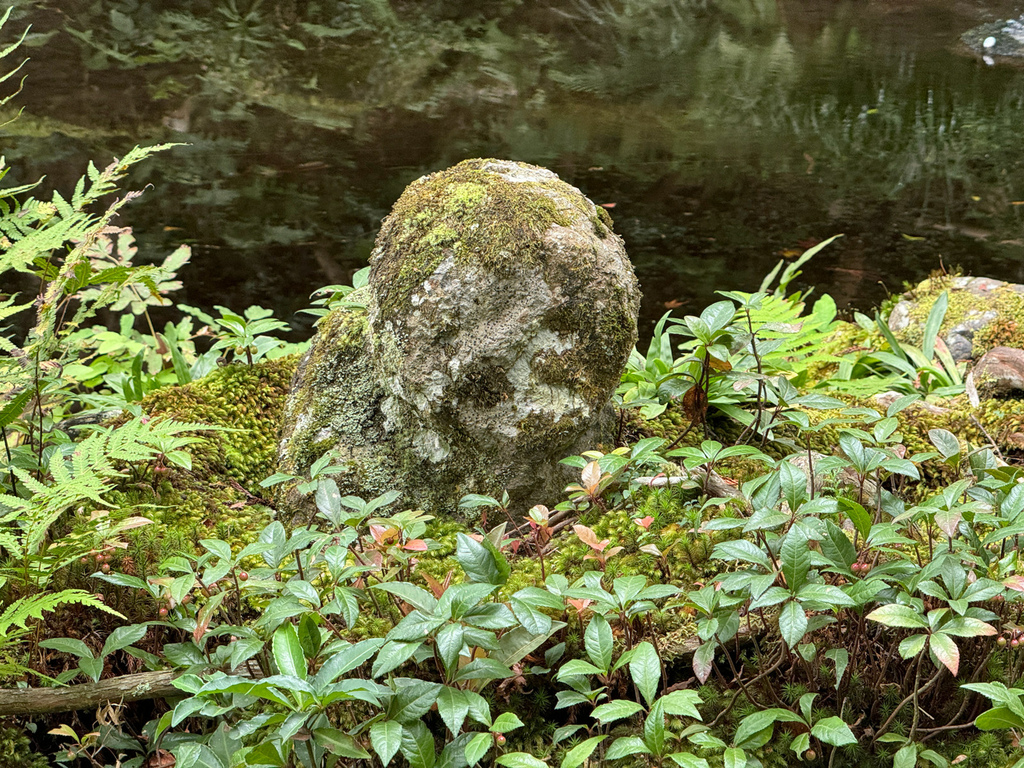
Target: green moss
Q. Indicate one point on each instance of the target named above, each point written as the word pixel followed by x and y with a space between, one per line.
pixel 1007 330
pixel 216 498
pixel 472 214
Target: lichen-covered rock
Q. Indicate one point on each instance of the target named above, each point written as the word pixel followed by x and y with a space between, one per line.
pixel 983 313
pixel 499 313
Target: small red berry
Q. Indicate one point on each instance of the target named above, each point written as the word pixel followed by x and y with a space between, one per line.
pixel 500 738
pixel 163 612
pixel 810 754
pixel 186 599
pixel 1001 642
pixel 105 567
pixel 243 576
pixel 85 561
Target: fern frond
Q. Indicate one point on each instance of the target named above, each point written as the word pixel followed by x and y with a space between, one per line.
pixel 23 610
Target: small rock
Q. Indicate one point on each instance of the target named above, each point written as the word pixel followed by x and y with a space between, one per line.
pixel 1000 372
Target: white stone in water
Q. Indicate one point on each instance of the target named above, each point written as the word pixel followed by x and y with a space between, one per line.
pixel 990 42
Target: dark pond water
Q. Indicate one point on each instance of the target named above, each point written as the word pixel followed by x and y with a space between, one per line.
pixel 722 135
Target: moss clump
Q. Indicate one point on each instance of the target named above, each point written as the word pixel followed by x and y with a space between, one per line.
pixel 1006 330
pixel 217 497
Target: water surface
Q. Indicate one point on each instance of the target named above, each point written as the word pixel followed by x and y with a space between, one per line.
pixel 721 136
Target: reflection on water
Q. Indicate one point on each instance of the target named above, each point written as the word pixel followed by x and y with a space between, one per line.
pixel 722 135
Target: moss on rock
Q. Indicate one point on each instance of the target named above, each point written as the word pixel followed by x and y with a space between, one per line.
pixel 218 497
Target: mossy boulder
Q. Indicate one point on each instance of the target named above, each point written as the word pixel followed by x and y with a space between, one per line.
pixel 982 314
pixel 499 313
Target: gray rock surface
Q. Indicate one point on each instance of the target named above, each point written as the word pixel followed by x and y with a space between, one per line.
pixel 499 314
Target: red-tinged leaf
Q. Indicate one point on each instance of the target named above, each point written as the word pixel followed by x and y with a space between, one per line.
pixel 591 477
pixel 378 532
pixel 580 604
pixel 416 545
pixel 945 651
pixel 206 614
pixel 1015 583
pixel 588 537
pixel 644 522
pixel 435 586
pixel 612 551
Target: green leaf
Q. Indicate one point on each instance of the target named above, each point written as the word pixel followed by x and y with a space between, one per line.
pixel 626 746
pixel 338 742
pixel 796 559
pixel 520 760
pixel 945 442
pixel 392 655
pixel 945 651
pixel 481 560
pixel 418 598
pixel 418 746
pixel 894 615
pixel 932 325
pixel 449 642
pixel 243 649
pixel 505 722
pixel 67 645
pixel 998 718
pixel 616 710
pixel 681 703
pixel 905 757
pixel 753 724
pixel 792 623
pixel 309 635
pixel 477 747
pixel 741 550
pixel 834 731
pixel 793 481
pixel 386 738
pixel 578 755
pixel 734 758
pixel 597 639
pixel 453 706
pixel 841 657
pixel 645 668
pixel 288 653
pixel 92 667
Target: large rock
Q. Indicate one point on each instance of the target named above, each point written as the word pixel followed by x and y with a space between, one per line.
pixel 499 313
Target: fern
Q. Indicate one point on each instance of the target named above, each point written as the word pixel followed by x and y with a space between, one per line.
pixel 23 610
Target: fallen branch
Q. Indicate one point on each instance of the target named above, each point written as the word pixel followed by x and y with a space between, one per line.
pixel 124 689
pixel 41 701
